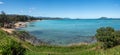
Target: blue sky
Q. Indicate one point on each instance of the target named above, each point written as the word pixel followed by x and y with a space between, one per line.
pixel 63 8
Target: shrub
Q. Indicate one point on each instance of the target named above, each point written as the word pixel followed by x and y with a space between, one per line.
pixel 13 48
pixel 108 36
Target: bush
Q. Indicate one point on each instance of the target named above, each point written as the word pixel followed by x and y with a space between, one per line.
pixel 108 36
pixel 13 48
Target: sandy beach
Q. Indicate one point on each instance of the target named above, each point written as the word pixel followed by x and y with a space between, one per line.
pixel 17 25
pixel 8 30
pixel 21 24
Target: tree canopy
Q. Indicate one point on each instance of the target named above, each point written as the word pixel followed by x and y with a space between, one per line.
pixel 7 19
pixel 108 36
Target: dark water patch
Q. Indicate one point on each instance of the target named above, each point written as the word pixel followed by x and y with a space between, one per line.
pixel 36 32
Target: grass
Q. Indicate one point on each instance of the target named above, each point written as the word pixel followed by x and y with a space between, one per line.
pixel 91 49
pixel 75 51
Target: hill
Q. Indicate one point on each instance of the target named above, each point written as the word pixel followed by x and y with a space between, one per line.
pixel 106 18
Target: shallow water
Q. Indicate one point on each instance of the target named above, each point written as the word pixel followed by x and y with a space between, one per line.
pixel 64 32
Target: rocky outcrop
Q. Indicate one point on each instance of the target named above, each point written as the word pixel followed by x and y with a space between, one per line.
pixel 25 36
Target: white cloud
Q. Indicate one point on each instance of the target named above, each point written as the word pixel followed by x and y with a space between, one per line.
pixel 22 11
pixel 1 2
pixel 29 10
pixel 32 8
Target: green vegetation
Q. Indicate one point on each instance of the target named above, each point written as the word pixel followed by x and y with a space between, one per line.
pixel 25 36
pixel 13 48
pixel 108 36
pixel 8 46
pixel 7 21
pixel 22 43
pixel 90 49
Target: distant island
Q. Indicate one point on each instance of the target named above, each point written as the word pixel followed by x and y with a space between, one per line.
pixel 108 18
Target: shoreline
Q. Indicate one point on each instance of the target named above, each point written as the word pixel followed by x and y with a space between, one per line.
pixel 24 24
pixel 17 25
pixel 29 38
pixel 10 30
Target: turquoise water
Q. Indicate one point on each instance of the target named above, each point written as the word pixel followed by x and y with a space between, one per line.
pixel 64 32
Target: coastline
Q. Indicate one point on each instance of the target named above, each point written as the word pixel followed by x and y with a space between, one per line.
pixel 17 25
pixel 33 40
pixel 10 30
pixel 24 35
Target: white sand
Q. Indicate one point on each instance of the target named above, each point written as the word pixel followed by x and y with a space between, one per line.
pixel 17 25
pixel 8 30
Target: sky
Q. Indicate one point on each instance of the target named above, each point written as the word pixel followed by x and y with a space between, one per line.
pixel 63 8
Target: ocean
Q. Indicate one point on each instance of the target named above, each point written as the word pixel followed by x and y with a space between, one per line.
pixel 65 32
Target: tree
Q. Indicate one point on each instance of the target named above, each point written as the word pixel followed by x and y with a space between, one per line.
pixel 4 19
pixel 108 36
pixel 9 20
